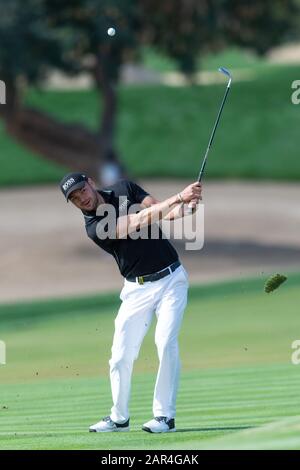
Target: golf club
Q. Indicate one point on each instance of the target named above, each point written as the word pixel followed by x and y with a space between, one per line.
pixel 227 73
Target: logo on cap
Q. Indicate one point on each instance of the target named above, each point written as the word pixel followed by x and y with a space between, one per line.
pixel 68 183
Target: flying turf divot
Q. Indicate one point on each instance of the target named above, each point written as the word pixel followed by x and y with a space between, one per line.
pixel 274 282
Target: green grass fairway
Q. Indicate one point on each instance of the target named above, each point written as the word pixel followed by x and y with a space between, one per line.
pixel 163 131
pixel 239 388
pixel 234 58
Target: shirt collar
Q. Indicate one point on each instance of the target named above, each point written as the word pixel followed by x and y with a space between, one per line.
pixel 106 194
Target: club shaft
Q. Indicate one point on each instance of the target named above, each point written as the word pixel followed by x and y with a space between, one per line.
pixel 213 132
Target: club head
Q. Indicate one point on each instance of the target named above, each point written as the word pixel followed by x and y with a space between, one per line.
pixel 226 72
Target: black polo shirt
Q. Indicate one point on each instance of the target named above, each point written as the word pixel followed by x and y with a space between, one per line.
pixel 138 256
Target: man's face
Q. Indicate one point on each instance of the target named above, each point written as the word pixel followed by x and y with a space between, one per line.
pixel 85 198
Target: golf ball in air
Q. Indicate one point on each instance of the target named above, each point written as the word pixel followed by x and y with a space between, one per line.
pixel 111 31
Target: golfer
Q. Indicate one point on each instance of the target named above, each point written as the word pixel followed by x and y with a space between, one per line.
pixel 155 282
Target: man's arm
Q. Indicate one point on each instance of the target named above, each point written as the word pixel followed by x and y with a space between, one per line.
pixel 157 211
pixel 180 210
pixel 175 213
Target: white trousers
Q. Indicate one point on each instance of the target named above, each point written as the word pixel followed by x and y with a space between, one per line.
pixel 167 299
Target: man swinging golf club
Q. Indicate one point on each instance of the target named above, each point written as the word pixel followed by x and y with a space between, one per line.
pixel 155 282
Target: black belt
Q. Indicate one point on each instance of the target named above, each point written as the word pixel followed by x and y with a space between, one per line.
pixel 155 276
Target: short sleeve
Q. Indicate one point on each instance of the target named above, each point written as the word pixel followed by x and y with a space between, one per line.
pixel 137 193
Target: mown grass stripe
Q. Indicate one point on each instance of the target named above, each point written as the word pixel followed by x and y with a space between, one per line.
pixel 105 302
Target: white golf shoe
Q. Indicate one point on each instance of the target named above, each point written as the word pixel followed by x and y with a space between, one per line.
pixel 160 424
pixel 108 425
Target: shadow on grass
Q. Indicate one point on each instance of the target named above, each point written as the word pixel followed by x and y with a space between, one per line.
pixel 227 428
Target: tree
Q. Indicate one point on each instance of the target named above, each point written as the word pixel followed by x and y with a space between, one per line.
pixel 30 46
pixel 89 21
pixel 71 35
pixel 187 29
pixel 25 37
pixel 259 25
pixel 182 29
